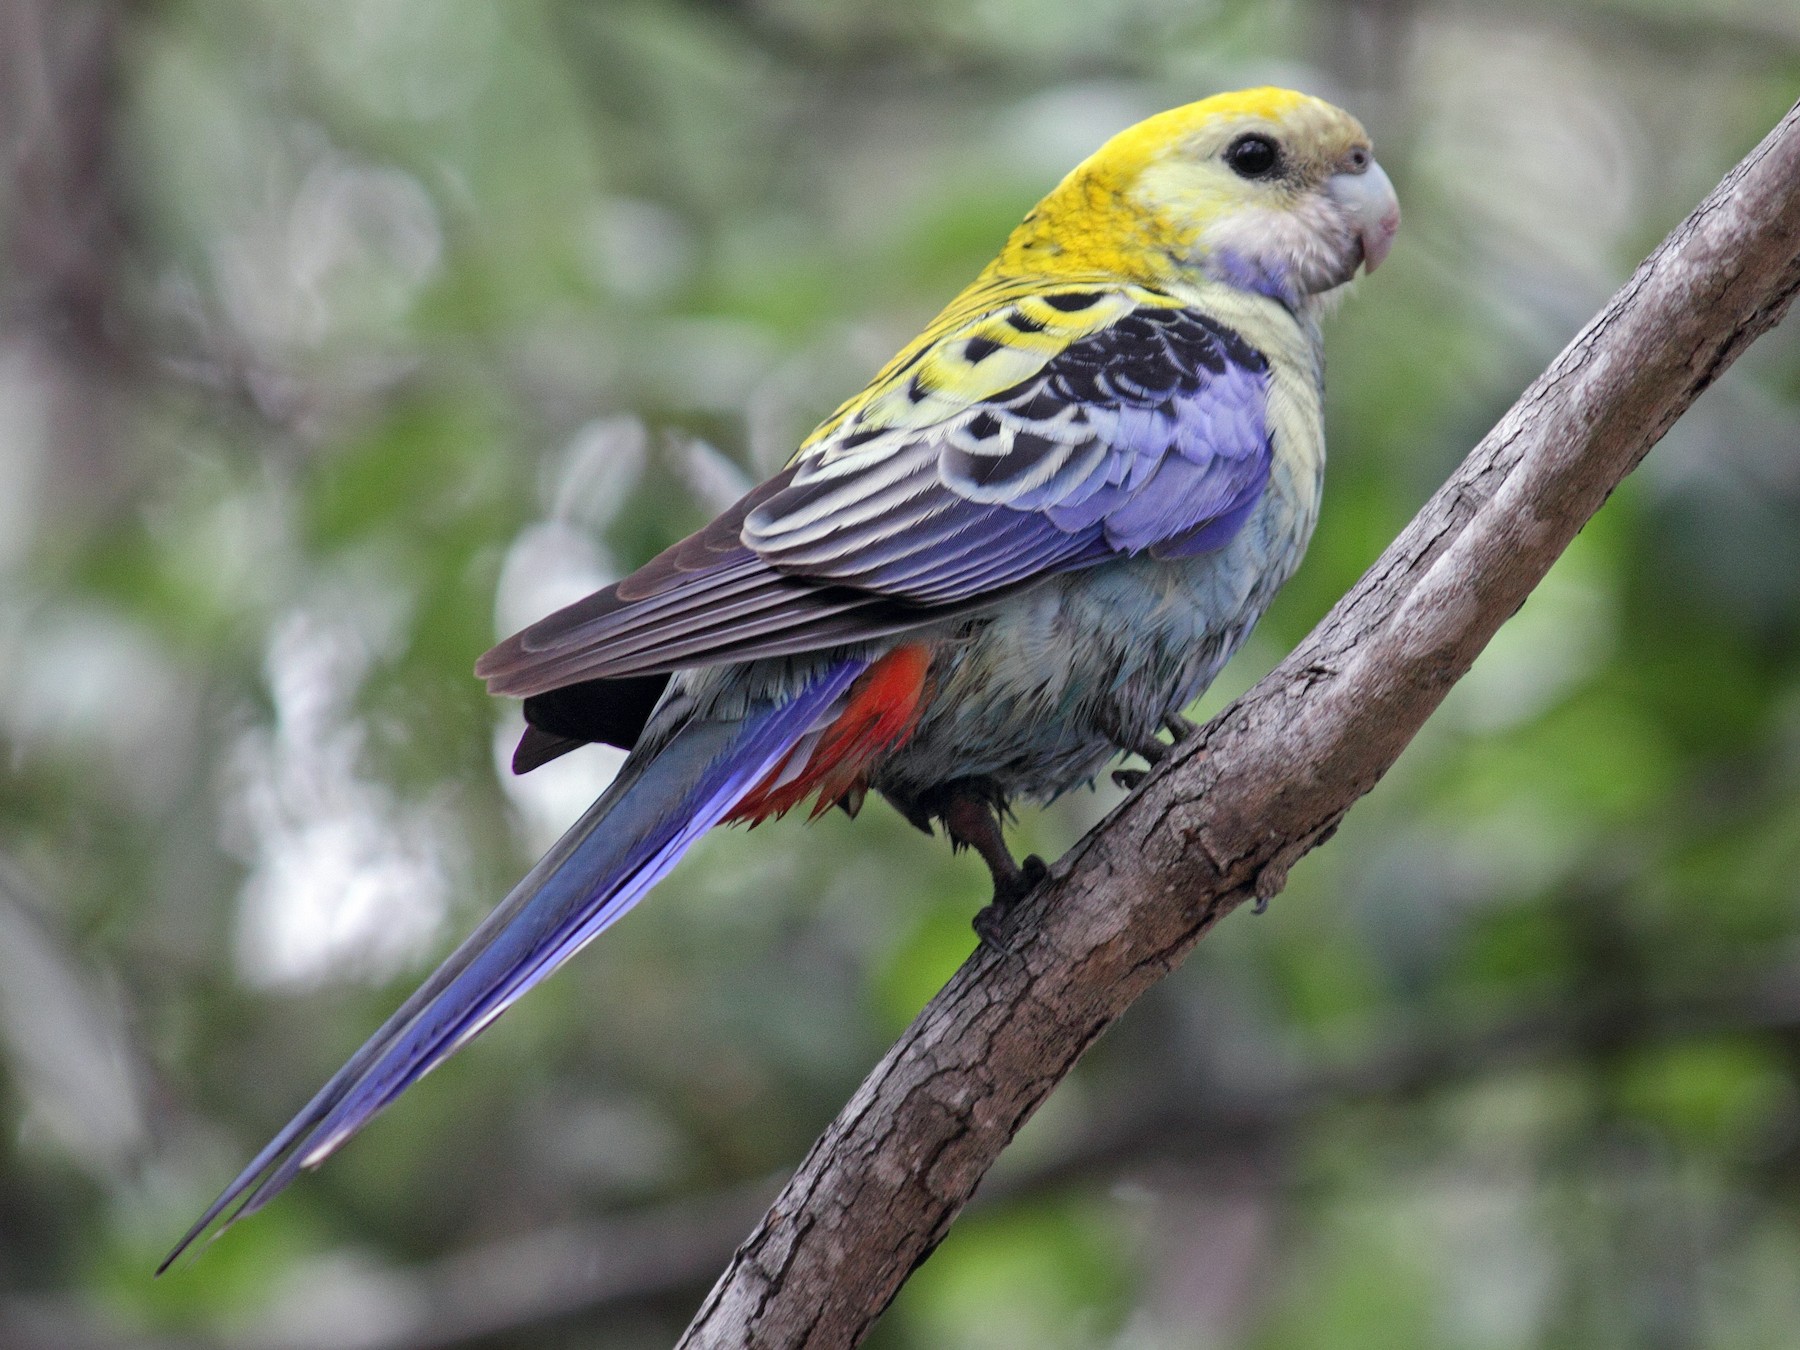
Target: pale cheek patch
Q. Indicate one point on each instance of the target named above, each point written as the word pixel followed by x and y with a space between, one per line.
pixel 1308 245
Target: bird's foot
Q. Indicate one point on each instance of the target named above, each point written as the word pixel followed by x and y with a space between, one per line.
pixel 990 923
pixel 970 810
pixel 1153 751
pixel 1150 750
pixel 1144 745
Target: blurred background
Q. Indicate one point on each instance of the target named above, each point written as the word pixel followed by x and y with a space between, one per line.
pixel 340 338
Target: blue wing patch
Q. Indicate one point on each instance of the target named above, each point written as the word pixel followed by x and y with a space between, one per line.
pixel 1147 435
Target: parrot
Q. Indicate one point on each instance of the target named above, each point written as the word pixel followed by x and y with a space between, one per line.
pixel 1022 550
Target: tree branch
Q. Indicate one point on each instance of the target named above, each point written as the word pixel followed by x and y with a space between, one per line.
pixel 1268 780
pixel 609 1264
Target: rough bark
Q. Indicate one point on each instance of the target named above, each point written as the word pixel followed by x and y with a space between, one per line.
pixel 1223 819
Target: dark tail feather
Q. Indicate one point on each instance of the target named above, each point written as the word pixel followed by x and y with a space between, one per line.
pixel 627 842
pixel 538 747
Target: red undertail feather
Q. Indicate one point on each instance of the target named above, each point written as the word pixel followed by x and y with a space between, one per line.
pixel 882 709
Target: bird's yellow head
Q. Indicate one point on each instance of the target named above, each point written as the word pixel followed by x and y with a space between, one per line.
pixel 1266 189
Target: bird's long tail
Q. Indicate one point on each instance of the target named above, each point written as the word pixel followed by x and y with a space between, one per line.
pixel 628 840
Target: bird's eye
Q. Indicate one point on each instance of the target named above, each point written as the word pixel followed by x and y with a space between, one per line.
pixel 1253 156
pixel 1358 159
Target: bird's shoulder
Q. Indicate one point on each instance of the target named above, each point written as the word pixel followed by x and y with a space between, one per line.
pixel 1001 333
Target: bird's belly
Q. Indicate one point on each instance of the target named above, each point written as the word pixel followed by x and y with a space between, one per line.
pixel 1038 693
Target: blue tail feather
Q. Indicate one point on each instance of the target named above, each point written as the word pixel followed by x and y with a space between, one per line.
pixel 626 842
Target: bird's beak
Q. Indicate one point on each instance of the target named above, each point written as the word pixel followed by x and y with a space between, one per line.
pixel 1374 210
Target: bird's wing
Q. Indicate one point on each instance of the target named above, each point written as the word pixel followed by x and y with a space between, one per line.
pixel 1049 429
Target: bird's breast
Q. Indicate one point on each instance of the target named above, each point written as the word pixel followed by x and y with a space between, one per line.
pixel 1036 692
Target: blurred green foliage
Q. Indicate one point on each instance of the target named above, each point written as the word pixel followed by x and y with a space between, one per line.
pixel 345 337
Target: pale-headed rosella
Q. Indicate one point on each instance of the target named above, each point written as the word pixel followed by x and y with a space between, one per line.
pixel 1026 546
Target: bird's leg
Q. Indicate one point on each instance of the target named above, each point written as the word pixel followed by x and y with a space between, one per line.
pixel 971 821
pixel 1179 727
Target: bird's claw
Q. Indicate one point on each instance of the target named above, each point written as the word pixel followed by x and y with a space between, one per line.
pixel 990 923
pixel 1129 778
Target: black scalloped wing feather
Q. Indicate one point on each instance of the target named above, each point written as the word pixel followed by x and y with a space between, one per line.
pixel 1147 434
